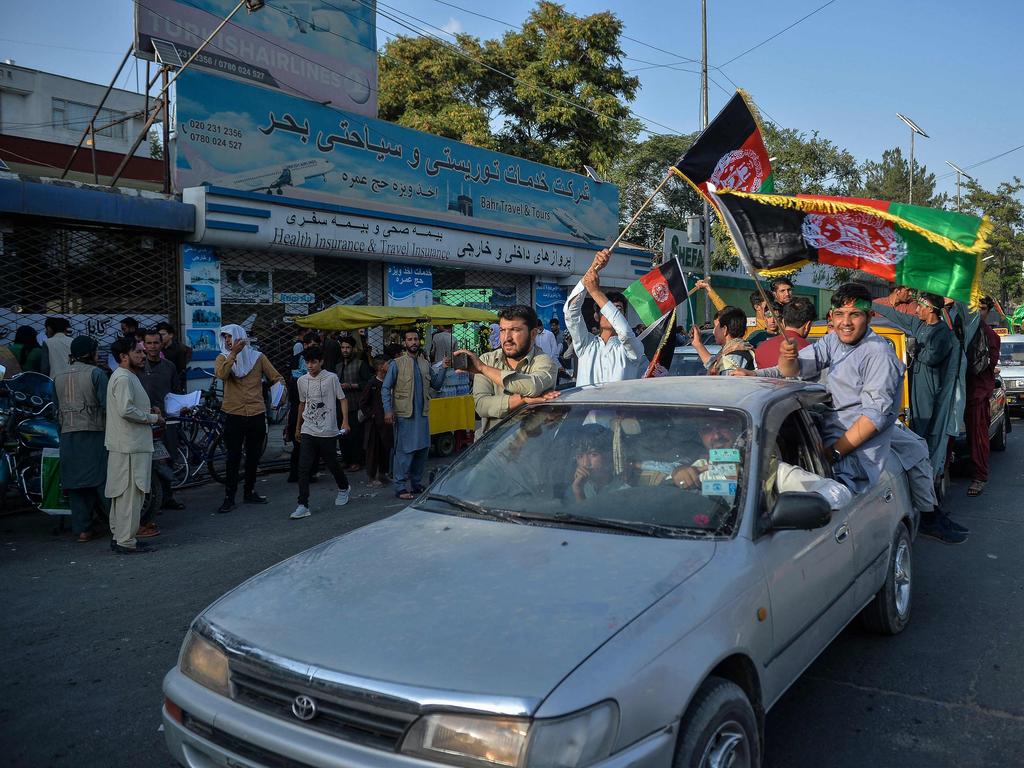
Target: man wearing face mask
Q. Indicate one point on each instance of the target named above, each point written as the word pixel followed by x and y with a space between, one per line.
pixel 242 370
pixel 514 374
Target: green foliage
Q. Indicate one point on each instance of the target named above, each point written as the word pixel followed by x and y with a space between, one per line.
pixel 156 147
pixel 554 59
pixel 1002 277
pixel 889 179
pixel 637 172
pixel 808 164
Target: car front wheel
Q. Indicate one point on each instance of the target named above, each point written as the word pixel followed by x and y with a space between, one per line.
pixel 719 729
pixel 889 612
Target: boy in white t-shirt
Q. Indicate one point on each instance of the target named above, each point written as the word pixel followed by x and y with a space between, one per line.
pixel 316 432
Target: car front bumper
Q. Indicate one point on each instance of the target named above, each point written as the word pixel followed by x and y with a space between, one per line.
pixel 217 732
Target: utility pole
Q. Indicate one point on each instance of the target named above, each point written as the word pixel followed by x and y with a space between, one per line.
pixel 914 129
pixel 959 172
pixel 703 125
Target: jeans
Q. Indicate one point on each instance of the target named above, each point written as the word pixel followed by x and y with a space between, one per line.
pixel 250 432
pixel 312 449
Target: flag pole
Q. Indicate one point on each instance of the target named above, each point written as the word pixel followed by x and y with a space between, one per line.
pixel 689 293
pixel 640 210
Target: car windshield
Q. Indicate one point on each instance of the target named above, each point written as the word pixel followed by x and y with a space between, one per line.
pixel 656 470
pixel 1011 353
pixel 688 363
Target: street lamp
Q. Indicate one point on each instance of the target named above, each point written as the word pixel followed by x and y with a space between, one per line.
pixel 959 172
pixel 914 128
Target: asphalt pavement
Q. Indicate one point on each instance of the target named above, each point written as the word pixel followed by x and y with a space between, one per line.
pixel 87 635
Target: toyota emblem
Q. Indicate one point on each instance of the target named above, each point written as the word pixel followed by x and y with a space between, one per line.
pixel 304 707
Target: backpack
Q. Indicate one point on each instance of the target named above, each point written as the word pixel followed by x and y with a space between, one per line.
pixel 977 352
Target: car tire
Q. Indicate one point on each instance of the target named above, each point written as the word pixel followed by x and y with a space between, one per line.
pixel 719 728
pixel 999 439
pixel 889 612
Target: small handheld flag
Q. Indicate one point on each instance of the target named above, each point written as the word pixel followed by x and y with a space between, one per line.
pixel 657 293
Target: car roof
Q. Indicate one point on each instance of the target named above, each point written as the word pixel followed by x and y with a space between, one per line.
pixel 749 393
pixel 1012 337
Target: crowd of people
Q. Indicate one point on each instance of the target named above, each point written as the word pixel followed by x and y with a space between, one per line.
pixel 350 410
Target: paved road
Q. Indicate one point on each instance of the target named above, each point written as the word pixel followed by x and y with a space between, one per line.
pixel 87 637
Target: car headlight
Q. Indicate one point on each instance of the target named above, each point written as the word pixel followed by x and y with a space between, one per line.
pixel 575 741
pixel 205 663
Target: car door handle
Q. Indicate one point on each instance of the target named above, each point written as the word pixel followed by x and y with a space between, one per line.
pixel 888 495
pixel 842 532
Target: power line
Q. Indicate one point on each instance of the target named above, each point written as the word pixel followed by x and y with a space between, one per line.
pixel 62 47
pixel 769 39
pixel 981 162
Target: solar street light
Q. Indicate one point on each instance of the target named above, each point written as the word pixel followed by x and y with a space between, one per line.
pixel 959 172
pixel 914 129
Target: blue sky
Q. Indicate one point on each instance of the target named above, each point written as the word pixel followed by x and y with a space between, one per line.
pixel 845 71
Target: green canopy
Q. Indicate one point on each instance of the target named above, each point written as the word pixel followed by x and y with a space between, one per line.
pixel 349 317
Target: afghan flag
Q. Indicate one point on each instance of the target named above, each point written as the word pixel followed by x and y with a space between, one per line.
pixel 729 153
pixel 657 293
pixel 928 249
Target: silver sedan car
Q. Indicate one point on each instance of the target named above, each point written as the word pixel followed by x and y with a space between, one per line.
pixel 630 575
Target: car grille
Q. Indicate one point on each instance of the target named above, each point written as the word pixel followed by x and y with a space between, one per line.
pixel 336 716
pixel 1014 383
pixel 243 748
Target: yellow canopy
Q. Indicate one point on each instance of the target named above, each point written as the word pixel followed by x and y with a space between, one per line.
pixel 348 318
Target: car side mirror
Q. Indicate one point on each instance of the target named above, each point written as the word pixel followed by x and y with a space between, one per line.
pixel 798 511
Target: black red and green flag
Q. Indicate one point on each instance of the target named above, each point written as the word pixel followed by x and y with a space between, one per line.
pixel 928 249
pixel 729 153
pixel 657 293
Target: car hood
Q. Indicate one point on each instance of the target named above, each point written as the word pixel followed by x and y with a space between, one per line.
pixel 454 603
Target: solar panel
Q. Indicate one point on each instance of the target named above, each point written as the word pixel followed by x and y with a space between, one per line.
pixel 166 53
pixel 4 166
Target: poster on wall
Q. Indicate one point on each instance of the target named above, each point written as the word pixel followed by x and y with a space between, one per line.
pixel 410 286
pixel 550 301
pixel 324 50
pixel 104 328
pixel 314 152
pixel 202 299
pixel 247 286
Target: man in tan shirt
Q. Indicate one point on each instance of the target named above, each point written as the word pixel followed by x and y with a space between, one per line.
pixel 242 370
pixel 516 373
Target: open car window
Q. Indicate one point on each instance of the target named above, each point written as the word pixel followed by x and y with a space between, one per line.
pixel 680 467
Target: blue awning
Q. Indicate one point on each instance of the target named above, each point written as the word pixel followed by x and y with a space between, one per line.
pixel 71 203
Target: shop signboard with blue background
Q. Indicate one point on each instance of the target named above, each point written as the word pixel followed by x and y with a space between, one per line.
pixel 316 49
pixel 549 301
pixel 252 140
pixel 409 286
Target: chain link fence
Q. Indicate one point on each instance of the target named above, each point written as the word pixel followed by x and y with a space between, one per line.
pixel 481 289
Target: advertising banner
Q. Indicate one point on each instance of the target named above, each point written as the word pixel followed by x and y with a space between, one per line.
pixel 201 315
pixel 244 138
pixel 550 302
pixel 103 328
pixel 677 244
pixel 410 286
pixel 324 51
pixel 247 286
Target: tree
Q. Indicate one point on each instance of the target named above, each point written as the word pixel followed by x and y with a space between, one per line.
pixel 889 179
pixel 156 147
pixel 436 88
pixel 808 164
pixel 556 62
pixel 1002 277
pixel 559 60
pixel 637 172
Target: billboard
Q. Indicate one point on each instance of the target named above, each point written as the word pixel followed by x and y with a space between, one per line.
pixel 325 51
pixel 252 140
pixel 409 286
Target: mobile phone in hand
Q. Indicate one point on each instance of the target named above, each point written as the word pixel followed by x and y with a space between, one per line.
pixel 460 361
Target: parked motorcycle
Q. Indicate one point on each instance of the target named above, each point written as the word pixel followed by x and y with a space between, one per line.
pixel 27 426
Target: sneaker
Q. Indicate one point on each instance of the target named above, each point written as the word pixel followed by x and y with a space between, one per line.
pixel 227 506
pixel 957 527
pixel 342 498
pixel 254 497
pixel 300 512
pixel 940 529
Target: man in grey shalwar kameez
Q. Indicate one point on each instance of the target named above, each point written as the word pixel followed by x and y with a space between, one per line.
pixel 864 380
pixel 933 373
pixel 81 393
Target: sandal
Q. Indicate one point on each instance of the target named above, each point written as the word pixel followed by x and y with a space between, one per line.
pixel 405 495
pixel 976 487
